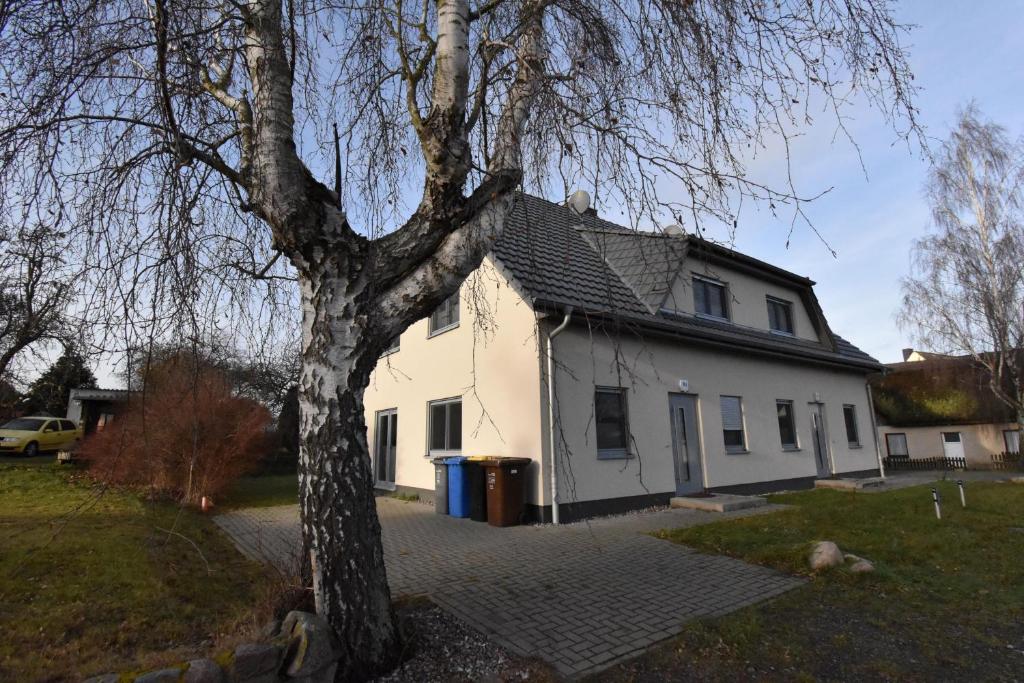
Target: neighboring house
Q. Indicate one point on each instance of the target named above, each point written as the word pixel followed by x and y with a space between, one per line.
pixel 94 409
pixel 679 367
pixel 934 405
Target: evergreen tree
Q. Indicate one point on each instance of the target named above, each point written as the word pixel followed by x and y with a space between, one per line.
pixel 51 391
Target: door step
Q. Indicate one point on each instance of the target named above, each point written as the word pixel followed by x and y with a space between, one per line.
pixel 850 484
pixel 718 502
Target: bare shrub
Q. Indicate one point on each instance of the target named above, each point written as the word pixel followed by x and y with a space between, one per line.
pixel 187 435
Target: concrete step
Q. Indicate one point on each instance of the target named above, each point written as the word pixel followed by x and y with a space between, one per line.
pixel 718 502
pixel 850 484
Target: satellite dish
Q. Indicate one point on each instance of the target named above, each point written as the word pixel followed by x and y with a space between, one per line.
pixel 675 230
pixel 579 201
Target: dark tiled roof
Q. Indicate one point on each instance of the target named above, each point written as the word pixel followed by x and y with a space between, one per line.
pixel 608 271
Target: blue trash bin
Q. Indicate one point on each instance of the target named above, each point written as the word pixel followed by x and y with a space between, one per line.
pixel 458 486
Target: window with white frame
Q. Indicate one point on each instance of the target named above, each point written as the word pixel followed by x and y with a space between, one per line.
pixel 1011 438
pixel 446 316
pixel 852 433
pixel 787 424
pixel 780 316
pixel 709 298
pixel 896 445
pixel 445 426
pixel 610 418
pixel 732 424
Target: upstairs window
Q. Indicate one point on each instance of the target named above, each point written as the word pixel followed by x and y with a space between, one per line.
pixel 445 426
pixel 446 316
pixel 709 298
pixel 850 415
pixel 612 426
pixel 780 316
pixel 732 424
pixel 787 426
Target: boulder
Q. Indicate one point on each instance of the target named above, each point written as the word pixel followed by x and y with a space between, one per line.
pixel 824 555
pixel 103 678
pixel 312 645
pixel 161 676
pixel 203 671
pixel 321 676
pixel 256 663
pixel 862 567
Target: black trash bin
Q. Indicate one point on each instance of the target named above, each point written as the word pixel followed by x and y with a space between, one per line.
pixel 477 479
pixel 440 486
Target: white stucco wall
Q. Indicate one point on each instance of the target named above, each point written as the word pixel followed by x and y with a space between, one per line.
pixel 979 441
pixel 491 360
pixel 747 297
pixel 652 370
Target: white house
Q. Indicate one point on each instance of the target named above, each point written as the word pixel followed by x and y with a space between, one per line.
pixel 667 365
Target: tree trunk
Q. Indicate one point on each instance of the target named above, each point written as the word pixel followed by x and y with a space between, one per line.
pixel 340 528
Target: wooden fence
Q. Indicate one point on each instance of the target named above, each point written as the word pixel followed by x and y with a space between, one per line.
pixel 897 464
pixel 999 461
pixel 1008 461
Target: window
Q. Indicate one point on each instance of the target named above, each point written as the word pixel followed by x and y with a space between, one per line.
pixel 896 444
pixel 787 426
pixel 852 435
pixel 732 424
pixel 709 298
pixel 612 426
pixel 25 424
pixel 446 316
pixel 780 316
pixel 52 426
pixel 1011 437
pixel 445 426
pixel 67 425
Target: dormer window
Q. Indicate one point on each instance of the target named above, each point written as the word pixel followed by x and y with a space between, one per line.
pixel 780 316
pixel 709 298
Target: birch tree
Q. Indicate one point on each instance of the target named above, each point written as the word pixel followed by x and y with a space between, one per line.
pixel 965 293
pixel 371 152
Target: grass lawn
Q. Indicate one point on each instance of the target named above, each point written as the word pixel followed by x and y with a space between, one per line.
pixel 89 583
pixel 262 491
pixel 946 601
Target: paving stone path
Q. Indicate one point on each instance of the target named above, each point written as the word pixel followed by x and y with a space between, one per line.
pixel 580 596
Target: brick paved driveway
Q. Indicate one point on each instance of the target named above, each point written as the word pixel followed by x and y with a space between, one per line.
pixel 580 596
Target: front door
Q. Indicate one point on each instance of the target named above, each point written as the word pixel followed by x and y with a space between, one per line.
pixel 819 437
pixel 952 445
pixel 686 444
pixel 386 446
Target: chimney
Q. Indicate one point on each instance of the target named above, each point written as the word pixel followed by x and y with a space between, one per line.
pixel 906 354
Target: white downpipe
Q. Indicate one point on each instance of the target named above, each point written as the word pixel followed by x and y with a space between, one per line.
pixel 551 412
pixel 874 430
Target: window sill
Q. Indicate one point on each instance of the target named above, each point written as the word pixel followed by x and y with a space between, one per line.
pixel 737 451
pixel 783 333
pixel 856 445
pixel 442 454
pixel 791 449
pixel 614 455
pixel 442 330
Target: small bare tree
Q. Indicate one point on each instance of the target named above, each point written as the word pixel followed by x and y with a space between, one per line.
pixel 193 143
pixel 35 291
pixel 965 293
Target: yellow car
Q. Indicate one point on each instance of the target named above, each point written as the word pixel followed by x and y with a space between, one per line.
pixel 32 435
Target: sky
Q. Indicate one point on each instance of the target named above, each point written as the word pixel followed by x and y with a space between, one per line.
pixel 959 52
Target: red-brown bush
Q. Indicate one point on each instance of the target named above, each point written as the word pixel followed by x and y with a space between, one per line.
pixel 187 435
